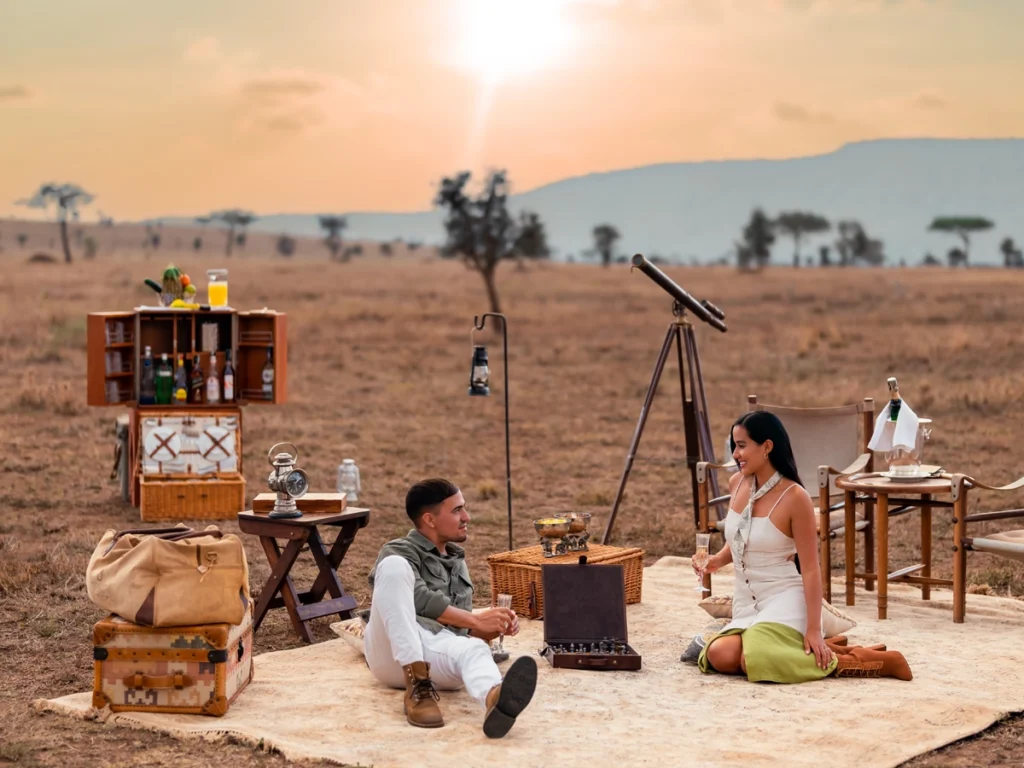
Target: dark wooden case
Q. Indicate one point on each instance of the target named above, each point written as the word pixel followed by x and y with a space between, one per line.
pixel 586 604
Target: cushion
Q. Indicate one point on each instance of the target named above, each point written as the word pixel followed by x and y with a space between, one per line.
pixel 833 621
pixel 351 631
pixel 700 640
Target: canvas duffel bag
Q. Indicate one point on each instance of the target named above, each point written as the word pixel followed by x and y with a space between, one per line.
pixel 169 577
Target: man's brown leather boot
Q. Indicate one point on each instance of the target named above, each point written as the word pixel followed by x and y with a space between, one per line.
pixel 867 662
pixel 508 699
pixel 421 697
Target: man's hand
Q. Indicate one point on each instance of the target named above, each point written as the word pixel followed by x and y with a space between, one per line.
pixel 496 621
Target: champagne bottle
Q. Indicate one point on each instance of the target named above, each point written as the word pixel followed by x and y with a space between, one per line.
pixel 894 399
pixel 164 381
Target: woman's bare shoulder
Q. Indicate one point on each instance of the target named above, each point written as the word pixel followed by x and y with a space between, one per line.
pixel 796 498
pixel 734 481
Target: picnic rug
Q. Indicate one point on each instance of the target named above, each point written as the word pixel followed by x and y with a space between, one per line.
pixel 320 701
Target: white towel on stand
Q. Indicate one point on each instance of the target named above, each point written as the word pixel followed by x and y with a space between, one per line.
pixel 903 433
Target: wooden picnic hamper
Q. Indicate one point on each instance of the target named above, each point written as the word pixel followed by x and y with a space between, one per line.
pixel 518 573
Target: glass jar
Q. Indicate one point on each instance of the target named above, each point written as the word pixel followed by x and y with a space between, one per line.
pixel 217 287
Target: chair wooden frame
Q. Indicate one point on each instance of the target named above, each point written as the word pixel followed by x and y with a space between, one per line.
pixel 825 473
pixel 962 543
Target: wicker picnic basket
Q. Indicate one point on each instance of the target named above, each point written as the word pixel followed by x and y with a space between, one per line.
pixel 518 573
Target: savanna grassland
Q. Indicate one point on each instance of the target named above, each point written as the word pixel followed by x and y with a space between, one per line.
pixel 379 354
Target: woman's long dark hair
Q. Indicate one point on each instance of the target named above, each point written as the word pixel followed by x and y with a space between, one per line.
pixel 763 426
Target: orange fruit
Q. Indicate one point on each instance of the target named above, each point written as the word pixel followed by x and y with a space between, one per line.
pixel 185 280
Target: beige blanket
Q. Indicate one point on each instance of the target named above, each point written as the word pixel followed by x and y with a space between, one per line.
pixel 321 701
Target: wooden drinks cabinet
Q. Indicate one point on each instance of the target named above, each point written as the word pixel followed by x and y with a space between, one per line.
pixel 185 460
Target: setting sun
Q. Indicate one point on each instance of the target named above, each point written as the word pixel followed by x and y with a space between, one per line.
pixel 501 39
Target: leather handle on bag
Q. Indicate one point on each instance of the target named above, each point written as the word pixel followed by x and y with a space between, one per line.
pixel 197 534
pixel 160 533
pixel 158 682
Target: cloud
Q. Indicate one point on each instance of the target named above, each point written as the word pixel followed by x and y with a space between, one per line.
pixel 789 112
pixel 291 102
pixel 14 93
pixel 282 86
pixel 203 49
pixel 929 100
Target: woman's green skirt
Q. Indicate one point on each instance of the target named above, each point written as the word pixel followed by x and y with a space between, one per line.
pixel 774 653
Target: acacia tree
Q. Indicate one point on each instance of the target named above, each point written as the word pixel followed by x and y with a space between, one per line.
pixel 334 225
pixel 481 231
pixel 962 227
pixel 796 224
pixel 855 246
pixel 233 218
pixel 67 197
pixel 605 237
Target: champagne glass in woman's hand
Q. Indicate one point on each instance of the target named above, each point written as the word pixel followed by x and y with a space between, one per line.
pixel 700 560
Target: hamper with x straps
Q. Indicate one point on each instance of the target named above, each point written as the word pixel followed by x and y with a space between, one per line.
pixel 191 464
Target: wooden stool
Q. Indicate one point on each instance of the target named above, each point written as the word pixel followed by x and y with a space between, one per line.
pixel 317 509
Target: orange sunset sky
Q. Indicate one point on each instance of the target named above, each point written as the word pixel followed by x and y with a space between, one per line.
pixel 312 105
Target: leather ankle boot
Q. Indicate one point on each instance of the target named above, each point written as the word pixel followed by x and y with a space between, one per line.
pixel 421 697
pixel 508 699
pixel 868 662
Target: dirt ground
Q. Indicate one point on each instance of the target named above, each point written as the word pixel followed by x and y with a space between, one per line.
pixel 379 354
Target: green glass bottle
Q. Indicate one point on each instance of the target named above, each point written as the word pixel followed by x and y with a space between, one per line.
pixel 894 399
pixel 164 381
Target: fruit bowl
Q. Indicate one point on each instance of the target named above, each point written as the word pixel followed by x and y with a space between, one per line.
pixel 551 527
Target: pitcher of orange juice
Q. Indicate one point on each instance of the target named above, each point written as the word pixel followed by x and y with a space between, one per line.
pixel 217 287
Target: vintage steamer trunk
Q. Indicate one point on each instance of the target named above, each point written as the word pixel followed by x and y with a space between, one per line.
pixel 586 606
pixel 196 670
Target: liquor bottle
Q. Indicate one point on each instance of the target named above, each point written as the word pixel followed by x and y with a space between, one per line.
pixel 229 378
pixel 180 382
pixel 197 381
pixel 147 388
pixel 894 399
pixel 164 381
pixel 212 383
pixel 268 375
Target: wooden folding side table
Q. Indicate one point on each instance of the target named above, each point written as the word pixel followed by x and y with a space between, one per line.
pixel 317 510
pixel 889 493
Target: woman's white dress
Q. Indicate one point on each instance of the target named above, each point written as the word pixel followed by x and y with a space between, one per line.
pixel 768 586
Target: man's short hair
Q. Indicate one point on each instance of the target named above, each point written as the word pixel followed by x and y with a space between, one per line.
pixel 426 494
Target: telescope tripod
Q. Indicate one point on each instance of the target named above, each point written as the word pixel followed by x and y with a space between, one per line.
pixel 695 412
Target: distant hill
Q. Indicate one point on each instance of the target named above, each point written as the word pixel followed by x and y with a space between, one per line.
pixel 685 211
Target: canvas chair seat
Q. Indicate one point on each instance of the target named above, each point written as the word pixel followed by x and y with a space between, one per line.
pixel 1008 544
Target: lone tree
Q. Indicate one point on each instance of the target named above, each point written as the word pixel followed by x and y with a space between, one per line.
pixel 756 245
pixel 1012 255
pixel 855 247
pixel 481 231
pixel 796 224
pixel 234 219
pixel 962 227
pixel 605 237
pixel 334 226
pixel 67 197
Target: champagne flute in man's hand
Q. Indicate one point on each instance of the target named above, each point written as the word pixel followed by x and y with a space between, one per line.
pixel 700 560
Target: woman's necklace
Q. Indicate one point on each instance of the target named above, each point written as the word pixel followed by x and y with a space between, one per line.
pixel 739 540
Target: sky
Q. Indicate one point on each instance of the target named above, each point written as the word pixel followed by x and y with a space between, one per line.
pixel 163 109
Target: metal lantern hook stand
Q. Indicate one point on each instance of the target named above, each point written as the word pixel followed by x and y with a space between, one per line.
pixel 478 325
pixel 695 403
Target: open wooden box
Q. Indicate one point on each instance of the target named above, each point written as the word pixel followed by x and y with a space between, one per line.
pixel 115 347
pixel 585 618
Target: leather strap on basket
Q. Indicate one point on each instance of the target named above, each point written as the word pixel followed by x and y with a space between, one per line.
pixel 158 682
pixel 195 535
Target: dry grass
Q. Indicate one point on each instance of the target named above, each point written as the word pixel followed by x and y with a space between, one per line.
pixel 379 359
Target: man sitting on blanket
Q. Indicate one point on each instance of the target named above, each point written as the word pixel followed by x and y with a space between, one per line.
pixel 422 630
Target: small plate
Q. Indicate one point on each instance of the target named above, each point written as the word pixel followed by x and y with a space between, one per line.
pixel 926 472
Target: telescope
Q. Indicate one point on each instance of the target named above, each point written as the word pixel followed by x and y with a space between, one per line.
pixel 703 310
pixel 696 428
